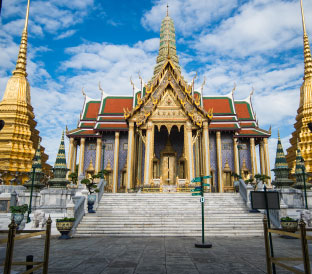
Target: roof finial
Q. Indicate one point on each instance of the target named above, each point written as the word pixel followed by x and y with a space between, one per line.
pixel 278 134
pixel 21 59
pixel 306 49
pixel 167 9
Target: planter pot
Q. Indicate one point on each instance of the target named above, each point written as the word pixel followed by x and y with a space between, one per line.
pixel 18 218
pixel 289 226
pixel 64 228
pixel 91 201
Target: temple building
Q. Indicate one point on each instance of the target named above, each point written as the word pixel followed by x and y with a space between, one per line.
pixel 301 138
pixel 167 133
pixel 19 138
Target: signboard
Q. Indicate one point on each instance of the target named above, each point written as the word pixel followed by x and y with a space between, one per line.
pixel 195 190
pixel 196 180
pixel 206 177
pixel 202 199
pixel 206 184
pixel 195 194
pixel 258 199
pixel 198 188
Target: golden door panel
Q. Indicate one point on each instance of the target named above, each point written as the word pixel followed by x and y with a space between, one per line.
pixel 169 169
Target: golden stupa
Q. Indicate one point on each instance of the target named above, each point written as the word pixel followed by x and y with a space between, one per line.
pixel 18 138
pixel 302 137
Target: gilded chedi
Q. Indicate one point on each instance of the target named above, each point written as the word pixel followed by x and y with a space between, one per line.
pixel 18 138
pixel 302 137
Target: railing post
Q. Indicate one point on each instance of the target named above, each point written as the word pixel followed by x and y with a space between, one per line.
pixel 10 247
pixel 267 245
pixel 47 247
pixel 304 246
pixel 29 259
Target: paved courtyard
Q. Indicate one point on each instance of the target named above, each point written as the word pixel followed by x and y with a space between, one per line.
pixel 117 255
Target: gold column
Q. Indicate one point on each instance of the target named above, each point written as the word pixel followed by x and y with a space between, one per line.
pixel 253 157
pixel 116 159
pixel 236 158
pixel 188 143
pixel 267 159
pixel 73 168
pixel 130 156
pixel 219 160
pixel 140 154
pixel 197 160
pixel 261 154
pixel 206 152
pixel 71 154
pixel 98 156
pixel 149 152
pixel 81 156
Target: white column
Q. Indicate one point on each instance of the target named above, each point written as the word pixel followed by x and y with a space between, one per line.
pixel 219 160
pixel 81 156
pixel 130 156
pixel 149 150
pixel 116 159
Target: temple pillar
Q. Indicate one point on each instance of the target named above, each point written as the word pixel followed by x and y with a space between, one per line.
pixel 188 143
pixel 73 168
pixel 236 157
pixel 130 156
pixel 206 153
pixel 253 157
pixel 140 154
pixel 98 155
pixel 81 156
pixel 267 159
pixel 149 153
pixel 198 164
pixel 71 155
pixel 219 160
pixel 261 154
pixel 116 160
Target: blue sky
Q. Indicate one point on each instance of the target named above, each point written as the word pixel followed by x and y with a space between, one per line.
pixel 74 44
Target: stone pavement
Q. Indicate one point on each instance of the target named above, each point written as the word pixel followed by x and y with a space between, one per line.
pixel 154 255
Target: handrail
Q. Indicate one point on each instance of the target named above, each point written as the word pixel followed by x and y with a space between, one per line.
pixel 79 211
pixel 10 247
pixel 101 186
pixel 243 190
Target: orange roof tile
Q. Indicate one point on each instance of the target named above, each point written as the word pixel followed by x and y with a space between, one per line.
pixel 219 105
pixel 243 110
pixel 91 110
pixel 115 105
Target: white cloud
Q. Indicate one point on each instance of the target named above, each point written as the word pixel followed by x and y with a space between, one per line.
pixel 189 15
pixel 66 34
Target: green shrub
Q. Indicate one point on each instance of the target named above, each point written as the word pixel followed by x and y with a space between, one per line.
pixel 288 219
pixel 19 209
pixel 66 220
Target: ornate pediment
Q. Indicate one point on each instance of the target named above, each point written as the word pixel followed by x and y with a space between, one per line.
pixel 171 92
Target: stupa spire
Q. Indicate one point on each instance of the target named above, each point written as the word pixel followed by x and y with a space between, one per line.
pixel 22 54
pixel 60 161
pixel 306 49
pixel 167 45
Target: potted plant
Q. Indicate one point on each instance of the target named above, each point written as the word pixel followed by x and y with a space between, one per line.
pixel 289 224
pixel 92 188
pixel 64 226
pixel 18 213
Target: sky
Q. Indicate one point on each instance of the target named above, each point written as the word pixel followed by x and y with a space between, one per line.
pixel 75 44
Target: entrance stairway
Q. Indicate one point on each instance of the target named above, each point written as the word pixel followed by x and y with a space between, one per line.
pixel 174 214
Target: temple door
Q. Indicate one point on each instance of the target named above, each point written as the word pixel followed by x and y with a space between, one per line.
pixel 168 169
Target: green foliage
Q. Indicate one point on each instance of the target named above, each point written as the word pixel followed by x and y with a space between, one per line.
pixel 236 176
pixel 90 184
pixel 262 177
pixel 19 209
pixel 74 177
pixel 288 219
pixel 66 220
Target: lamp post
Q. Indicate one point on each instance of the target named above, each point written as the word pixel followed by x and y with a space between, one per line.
pixel 31 194
pixel 304 183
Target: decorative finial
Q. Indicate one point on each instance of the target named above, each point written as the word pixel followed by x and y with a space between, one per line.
pixel 22 54
pixel 167 9
pixel 306 49
pixel 203 84
pixel 66 129
pixel 168 53
pixel 100 88
pixel 278 134
pixel 234 88
pixel 270 129
pixel 252 91
pixel 83 93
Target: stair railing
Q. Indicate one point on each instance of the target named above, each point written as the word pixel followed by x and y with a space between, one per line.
pixel 100 186
pixel 79 211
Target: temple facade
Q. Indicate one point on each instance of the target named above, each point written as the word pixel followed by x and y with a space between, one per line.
pixel 19 138
pixel 301 138
pixel 167 133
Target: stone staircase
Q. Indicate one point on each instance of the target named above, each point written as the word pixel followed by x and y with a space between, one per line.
pixel 170 214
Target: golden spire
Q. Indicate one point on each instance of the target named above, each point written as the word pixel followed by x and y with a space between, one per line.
pixel 167 9
pixel 306 49
pixel 21 59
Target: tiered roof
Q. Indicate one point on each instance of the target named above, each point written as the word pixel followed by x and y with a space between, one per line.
pixel 111 113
